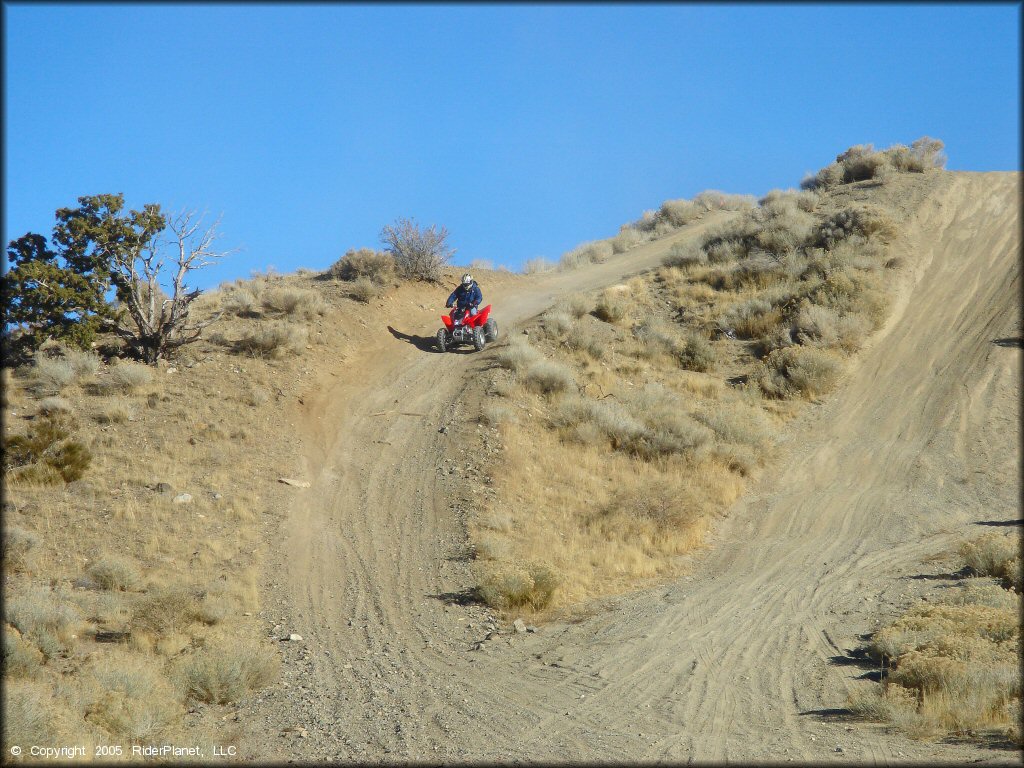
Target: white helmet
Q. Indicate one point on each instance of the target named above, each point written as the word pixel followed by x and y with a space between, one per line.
pixel 467 279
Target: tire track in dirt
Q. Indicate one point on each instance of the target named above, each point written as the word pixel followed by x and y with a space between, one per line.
pixel 728 665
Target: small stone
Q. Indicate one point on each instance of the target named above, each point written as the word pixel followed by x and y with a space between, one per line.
pixel 838 748
pixel 519 625
pixel 292 638
pixel 163 488
pixel 531 629
pixel 182 498
pixel 296 483
pixel 172 370
pixel 218 496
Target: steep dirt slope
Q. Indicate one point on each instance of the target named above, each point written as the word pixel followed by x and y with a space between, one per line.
pixel 732 663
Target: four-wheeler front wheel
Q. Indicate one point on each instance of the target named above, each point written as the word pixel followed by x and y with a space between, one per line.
pixel 442 342
pixel 478 339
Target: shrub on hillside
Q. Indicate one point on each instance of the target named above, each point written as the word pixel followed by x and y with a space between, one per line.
pixel 223 674
pixel 19 548
pixel 419 253
pixel 683 255
pixel 376 266
pixel 994 554
pixel 365 290
pixel 294 302
pixel 863 162
pixel 538 265
pixel 130 698
pixel 627 238
pixel 548 377
pixel 697 354
pixel 272 339
pixel 124 377
pixel 115 573
pixel 44 617
pixel 863 221
pixel 612 306
pixel 508 586
pixel 593 252
pixel 798 371
pixel 46 453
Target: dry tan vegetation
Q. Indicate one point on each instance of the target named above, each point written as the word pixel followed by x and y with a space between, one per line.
pixel 630 418
pixel 122 605
pixel 954 666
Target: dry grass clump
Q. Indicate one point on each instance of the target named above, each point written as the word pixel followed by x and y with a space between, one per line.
pixel 222 674
pixel 856 221
pixel 538 265
pixel 798 372
pixel 377 267
pixel 517 354
pixel 49 406
pixel 613 304
pixel 20 547
pixel 863 162
pixel 46 454
pixel 821 326
pixel 556 323
pixel 548 377
pixel 21 658
pixel 753 318
pixel 164 612
pixel 115 573
pixel 696 353
pixel 272 339
pixel 955 663
pixel 683 255
pixel 47 618
pixel 244 299
pixel 994 554
pixel 125 377
pixel 593 252
pixel 509 586
pixel 50 375
pixel 130 698
pixel 31 715
pixel 365 290
pixel 293 302
pixel 577 305
pixel 713 200
pixel 582 338
pixel 627 238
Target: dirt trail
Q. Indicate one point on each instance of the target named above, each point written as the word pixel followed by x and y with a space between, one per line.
pixel 732 663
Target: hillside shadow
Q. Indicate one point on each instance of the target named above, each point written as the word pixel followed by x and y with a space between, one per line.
pixel 963 573
pixel 1000 523
pixel 462 597
pixel 1009 341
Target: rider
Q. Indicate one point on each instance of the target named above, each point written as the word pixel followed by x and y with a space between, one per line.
pixel 467 296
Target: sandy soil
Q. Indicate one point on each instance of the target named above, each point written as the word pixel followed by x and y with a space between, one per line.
pixel 746 659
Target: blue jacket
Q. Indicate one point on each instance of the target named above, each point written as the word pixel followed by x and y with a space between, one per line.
pixel 466 297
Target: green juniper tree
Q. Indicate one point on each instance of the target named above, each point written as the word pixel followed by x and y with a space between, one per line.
pixel 64 292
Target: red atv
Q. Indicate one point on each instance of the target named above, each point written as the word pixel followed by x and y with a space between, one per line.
pixel 460 327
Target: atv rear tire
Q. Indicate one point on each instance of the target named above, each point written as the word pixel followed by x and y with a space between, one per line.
pixel 478 339
pixel 491 330
pixel 442 342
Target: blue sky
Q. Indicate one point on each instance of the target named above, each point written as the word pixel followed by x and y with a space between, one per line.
pixel 523 129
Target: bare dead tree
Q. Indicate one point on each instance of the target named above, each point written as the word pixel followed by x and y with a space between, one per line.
pixel 419 253
pixel 154 323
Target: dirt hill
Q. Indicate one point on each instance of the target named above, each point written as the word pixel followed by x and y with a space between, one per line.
pixel 742 651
